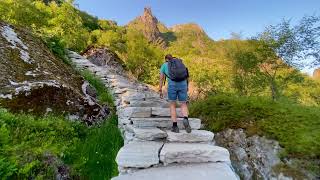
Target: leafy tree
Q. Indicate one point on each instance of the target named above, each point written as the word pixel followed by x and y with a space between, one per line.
pixel 142 58
pixel 25 13
pixel 295 44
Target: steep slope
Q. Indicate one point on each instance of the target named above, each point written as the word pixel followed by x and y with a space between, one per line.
pixel 33 80
pixel 190 39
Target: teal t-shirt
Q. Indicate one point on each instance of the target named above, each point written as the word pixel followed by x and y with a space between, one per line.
pixel 165 70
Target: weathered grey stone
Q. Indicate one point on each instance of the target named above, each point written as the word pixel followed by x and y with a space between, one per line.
pixel 252 156
pixel 148 103
pixel 149 133
pixel 129 128
pixel 139 154
pixel 202 171
pixel 128 136
pixel 164 112
pixel 193 153
pixel 194 136
pixel 120 91
pixel 135 112
pixel 134 97
pixel 123 120
pixel 164 122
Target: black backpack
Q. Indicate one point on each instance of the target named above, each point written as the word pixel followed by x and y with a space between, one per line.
pixel 177 70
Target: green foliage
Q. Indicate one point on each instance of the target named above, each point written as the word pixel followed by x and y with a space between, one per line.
pixel 294 44
pixel 296 127
pixel 142 58
pixel 30 147
pixel 113 39
pixel 94 156
pixel 104 96
pixel 90 22
pixel 27 142
pixel 60 25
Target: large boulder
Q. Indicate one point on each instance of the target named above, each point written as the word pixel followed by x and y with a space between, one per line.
pixel 102 56
pixel 255 157
pixel 33 80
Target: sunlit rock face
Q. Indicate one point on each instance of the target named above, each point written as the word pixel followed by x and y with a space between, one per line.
pixel 33 80
pixel 148 24
pixel 316 73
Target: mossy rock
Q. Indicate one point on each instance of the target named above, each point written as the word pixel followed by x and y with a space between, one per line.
pixel 33 80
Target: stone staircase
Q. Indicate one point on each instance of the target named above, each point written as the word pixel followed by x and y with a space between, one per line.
pixel 151 150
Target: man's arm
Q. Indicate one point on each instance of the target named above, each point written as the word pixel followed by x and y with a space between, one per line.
pixel 162 76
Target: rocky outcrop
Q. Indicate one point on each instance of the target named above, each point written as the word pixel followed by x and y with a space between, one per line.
pixel 148 24
pixel 102 56
pixel 33 80
pixel 255 157
pixel 143 119
pixel 192 27
pixel 316 74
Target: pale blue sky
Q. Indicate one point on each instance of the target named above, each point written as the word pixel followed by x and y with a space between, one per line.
pixel 218 17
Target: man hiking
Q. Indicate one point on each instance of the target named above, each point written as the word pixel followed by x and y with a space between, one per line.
pixel 177 75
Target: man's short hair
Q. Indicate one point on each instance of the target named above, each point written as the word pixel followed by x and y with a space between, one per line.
pixel 168 56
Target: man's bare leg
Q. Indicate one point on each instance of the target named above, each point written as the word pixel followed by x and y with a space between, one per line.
pixel 184 109
pixel 185 113
pixel 173 113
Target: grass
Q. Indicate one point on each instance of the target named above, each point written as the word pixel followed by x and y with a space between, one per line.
pixel 26 142
pixel 296 127
pixel 94 156
pixel 33 147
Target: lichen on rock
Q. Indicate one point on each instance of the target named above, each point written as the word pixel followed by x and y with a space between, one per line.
pixel 33 80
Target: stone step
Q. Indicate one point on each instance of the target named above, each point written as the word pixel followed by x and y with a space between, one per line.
pixel 202 171
pixel 163 122
pixel 164 112
pixel 139 154
pixel 149 134
pixel 138 112
pixel 193 137
pixel 148 103
pixel 193 153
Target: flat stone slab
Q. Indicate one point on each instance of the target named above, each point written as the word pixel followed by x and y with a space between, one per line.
pixel 149 134
pixel 163 122
pixel 194 136
pixel 164 112
pixel 202 171
pixel 139 154
pixel 193 153
pixel 148 103
pixel 135 112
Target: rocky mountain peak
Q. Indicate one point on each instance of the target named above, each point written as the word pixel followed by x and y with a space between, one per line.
pixel 148 17
pixel 148 24
pixel 316 73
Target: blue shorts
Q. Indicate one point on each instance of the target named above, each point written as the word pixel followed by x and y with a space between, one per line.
pixel 178 91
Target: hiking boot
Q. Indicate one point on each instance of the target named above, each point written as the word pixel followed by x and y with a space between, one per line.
pixel 186 125
pixel 175 129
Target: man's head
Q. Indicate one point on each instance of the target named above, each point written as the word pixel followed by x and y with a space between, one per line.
pixel 168 57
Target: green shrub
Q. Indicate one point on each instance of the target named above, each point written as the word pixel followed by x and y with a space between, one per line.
pixel 295 126
pixel 26 141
